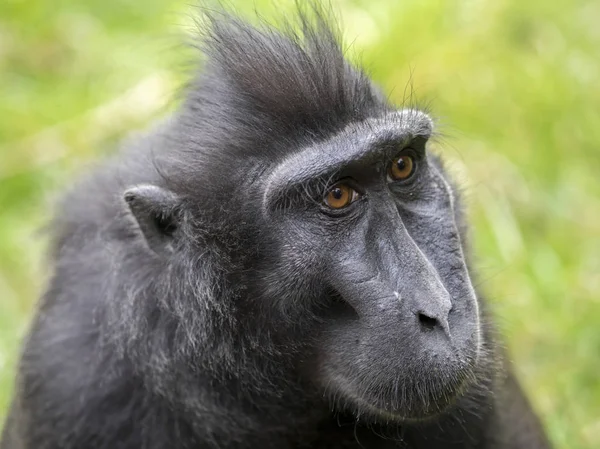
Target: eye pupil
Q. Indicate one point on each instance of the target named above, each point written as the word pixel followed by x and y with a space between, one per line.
pixel 402 168
pixel 340 196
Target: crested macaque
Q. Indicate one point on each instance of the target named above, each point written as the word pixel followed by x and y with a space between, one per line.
pixel 282 263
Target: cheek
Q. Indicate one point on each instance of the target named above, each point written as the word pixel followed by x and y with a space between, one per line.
pixel 290 268
pixel 302 246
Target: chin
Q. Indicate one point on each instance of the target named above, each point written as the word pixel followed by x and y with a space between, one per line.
pixel 417 405
pixel 418 397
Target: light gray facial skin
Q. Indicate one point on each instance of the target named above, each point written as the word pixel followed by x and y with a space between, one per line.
pixel 406 336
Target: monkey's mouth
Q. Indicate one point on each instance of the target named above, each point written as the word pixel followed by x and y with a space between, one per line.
pixel 415 401
pixel 391 366
pixel 411 393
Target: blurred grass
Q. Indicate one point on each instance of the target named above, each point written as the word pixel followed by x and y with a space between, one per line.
pixel 515 88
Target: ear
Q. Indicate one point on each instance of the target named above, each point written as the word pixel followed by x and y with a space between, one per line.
pixel 157 213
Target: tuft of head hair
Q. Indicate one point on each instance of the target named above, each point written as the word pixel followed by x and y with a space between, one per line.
pixel 263 92
pixel 278 82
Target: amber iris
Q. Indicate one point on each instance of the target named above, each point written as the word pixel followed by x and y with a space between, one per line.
pixel 340 196
pixel 401 168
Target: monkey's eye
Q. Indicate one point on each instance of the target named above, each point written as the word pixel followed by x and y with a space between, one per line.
pixel 340 196
pixel 402 168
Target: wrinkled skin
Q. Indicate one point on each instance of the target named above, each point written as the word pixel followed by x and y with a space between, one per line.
pixel 206 294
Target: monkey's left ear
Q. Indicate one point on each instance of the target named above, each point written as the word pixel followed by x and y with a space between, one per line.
pixel 157 213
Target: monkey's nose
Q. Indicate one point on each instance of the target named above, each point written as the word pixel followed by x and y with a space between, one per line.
pixel 429 321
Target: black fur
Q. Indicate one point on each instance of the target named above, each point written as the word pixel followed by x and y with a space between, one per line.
pixel 203 297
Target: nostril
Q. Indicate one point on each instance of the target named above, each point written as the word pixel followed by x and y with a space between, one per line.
pixel 426 321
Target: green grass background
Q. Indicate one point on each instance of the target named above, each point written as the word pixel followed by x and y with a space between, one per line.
pixel 514 84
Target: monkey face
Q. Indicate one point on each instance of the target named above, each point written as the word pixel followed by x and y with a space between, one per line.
pixel 377 240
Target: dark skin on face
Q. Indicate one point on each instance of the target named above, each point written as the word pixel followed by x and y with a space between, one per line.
pixel 404 335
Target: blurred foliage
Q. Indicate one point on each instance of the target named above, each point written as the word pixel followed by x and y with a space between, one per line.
pixel 513 85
